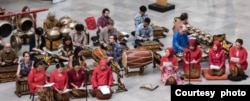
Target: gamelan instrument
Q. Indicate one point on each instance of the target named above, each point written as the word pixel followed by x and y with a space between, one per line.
pixel 5 28
pixel 150 45
pixel 8 73
pixel 137 58
pixel 22 87
pixel 53 34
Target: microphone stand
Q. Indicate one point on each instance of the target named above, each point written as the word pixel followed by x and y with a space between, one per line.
pixel 86 84
pixel 189 68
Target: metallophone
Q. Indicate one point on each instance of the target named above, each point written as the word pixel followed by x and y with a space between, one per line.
pixel 150 45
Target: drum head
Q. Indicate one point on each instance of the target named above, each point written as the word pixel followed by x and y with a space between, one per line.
pixel 124 59
pixel 5 28
pixel 16 43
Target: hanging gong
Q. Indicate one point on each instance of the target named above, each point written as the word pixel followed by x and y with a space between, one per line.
pixel 5 28
pixel 25 23
pixel 16 42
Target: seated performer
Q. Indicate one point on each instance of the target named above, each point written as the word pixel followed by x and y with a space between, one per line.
pixel 179 21
pixel 102 76
pixel 140 16
pixel 77 56
pixel 23 70
pixel 102 21
pixel 143 32
pixel 24 66
pixel 37 41
pixel 37 79
pixel 116 51
pixel 238 60
pixel 66 49
pixel 106 32
pixel 180 40
pixel 217 59
pixel 77 80
pixel 79 36
pixel 60 78
pixel 169 67
pixel 50 22
pixel 8 56
pixel 192 56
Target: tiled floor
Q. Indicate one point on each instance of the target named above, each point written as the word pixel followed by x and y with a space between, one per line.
pixel 212 16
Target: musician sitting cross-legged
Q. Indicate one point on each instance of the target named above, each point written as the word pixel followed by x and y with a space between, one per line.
pixel 79 36
pixel 102 80
pixel 238 61
pixel 37 79
pixel 116 51
pixel 179 21
pixel 102 21
pixel 77 56
pixel 143 32
pixel 37 43
pixel 192 56
pixel 60 78
pixel 8 56
pixel 77 80
pixel 217 60
pixel 106 32
pixel 51 21
pixel 23 70
pixel 66 49
pixel 169 67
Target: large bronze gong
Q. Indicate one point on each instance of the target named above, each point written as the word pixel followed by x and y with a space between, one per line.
pixel 53 34
pixel 5 28
pixel 25 23
pixel 72 24
pixel 65 30
pixel 16 42
pixel 65 20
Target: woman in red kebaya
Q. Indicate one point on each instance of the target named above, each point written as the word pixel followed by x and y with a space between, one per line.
pixel 77 80
pixel 102 76
pixel 169 66
pixel 60 78
pixel 238 59
pixel 192 56
pixel 37 79
pixel 216 60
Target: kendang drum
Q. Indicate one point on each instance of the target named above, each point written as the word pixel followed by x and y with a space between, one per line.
pixel 137 58
pixel 98 54
pixel 5 28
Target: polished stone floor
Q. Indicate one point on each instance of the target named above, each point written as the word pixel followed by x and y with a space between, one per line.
pixel 212 16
